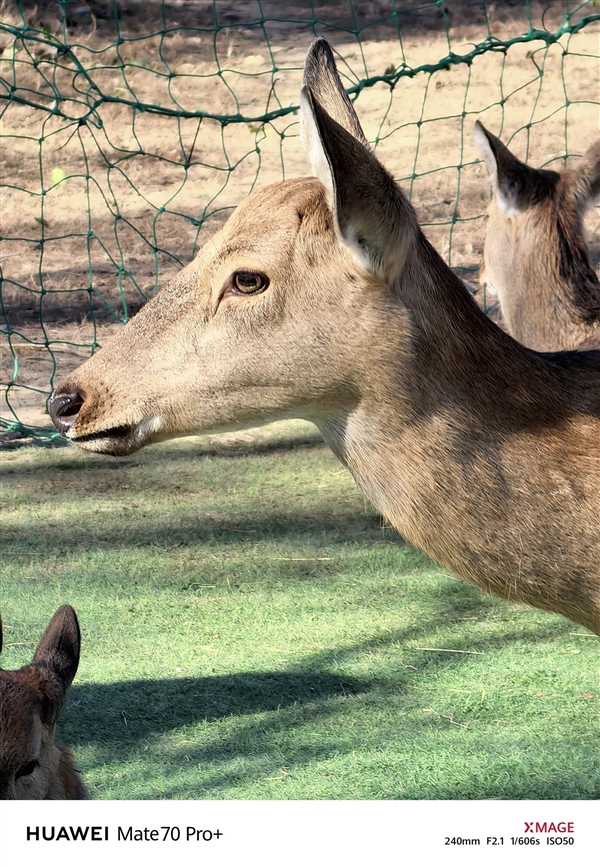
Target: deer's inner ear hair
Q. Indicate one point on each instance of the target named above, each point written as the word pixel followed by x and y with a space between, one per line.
pixel 249 282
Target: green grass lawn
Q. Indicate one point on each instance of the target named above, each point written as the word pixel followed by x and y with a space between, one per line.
pixel 251 630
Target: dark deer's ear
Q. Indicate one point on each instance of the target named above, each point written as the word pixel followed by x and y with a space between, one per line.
pixel 372 217
pixel 322 79
pixel 57 655
pixel 516 185
pixel 0 635
pixel 586 179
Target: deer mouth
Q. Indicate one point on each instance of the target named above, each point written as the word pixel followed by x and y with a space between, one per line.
pixel 76 418
pixel 118 441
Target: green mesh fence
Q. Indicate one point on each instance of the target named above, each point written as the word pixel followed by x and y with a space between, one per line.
pixel 131 128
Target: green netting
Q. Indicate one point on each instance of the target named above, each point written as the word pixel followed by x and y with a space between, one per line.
pixel 130 130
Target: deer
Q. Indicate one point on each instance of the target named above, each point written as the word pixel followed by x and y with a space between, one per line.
pixel 322 299
pixel 33 765
pixel 535 257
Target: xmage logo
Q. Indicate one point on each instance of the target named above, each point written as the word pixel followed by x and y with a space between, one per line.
pixel 549 827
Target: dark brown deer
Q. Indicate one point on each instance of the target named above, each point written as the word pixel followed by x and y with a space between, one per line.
pixel 322 299
pixel 33 766
pixel 536 258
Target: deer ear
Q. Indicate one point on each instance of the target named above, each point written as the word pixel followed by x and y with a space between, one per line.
pixel 322 79
pixel 586 179
pixel 516 185
pixel 0 635
pixel 372 217
pixel 58 655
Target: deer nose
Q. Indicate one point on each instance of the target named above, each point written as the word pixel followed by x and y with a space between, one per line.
pixel 64 408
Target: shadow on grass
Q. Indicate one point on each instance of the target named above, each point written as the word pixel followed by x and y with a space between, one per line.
pixel 148 527
pixel 308 714
pixel 122 714
pixel 338 529
pixel 268 719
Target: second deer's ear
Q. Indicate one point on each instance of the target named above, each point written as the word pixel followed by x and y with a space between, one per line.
pixel 516 185
pixel 372 217
pixel 58 655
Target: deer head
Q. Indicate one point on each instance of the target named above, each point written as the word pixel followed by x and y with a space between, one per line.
pixel 277 316
pixel 33 766
pixel 536 259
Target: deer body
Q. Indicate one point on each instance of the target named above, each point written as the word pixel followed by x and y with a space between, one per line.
pixel 484 454
pixel 536 258
pixel 33 766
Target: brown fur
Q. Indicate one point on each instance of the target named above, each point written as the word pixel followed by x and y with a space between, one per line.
pixel 483 453
pixel 33 766
pixel 536 259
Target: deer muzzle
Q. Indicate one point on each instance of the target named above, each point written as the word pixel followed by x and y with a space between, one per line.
pixel 78 417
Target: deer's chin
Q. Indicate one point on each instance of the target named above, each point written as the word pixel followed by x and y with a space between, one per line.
pixel 119 441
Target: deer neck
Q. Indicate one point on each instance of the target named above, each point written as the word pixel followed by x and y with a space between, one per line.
pixel 448 365
pixel 554 302
pixel 440 439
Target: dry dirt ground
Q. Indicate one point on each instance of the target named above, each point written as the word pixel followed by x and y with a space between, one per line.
pixel 96 215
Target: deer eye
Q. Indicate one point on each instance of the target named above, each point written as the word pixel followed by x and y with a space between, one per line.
pixel 250 282
pixel 27 769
